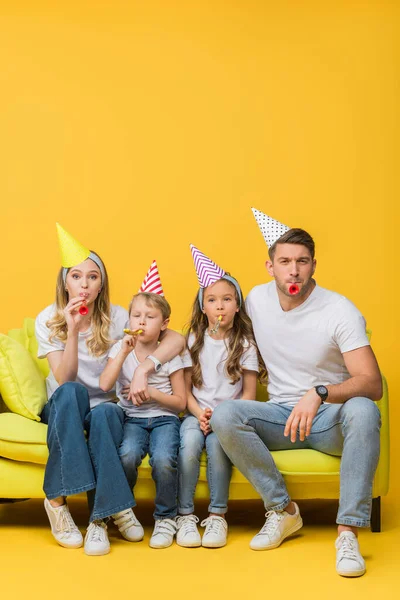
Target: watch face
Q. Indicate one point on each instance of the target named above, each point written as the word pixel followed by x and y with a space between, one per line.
pixel 322 390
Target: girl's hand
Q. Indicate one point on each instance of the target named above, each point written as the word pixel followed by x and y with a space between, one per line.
pixel 71 313
pixel 204 420
pixel 128 343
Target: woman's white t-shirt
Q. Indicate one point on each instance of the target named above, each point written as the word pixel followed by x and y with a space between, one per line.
pixel 89 367
pixel 217 385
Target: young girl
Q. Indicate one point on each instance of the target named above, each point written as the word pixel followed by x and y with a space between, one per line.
pixel 151 427
pixel 75 334
pixel 221 363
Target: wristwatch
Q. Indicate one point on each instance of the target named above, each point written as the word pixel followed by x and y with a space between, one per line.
pixel 157 363
pixel 322 392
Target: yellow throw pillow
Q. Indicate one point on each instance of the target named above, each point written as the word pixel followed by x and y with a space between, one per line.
pixel 21 384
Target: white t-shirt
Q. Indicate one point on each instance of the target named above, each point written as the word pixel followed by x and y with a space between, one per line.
pixel 217 385
pixel 89 367
pixel 160 380
pixel 304 347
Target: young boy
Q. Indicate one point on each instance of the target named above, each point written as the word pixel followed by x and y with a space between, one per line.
pixel 150 427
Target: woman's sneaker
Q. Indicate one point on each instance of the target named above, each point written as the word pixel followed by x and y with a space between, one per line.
pixel 128 525
pixel 96 539
pixel 187 535
pixel 277 527
pixel 216 532
pixel 349 562
pixel 163 533
pixel 63 527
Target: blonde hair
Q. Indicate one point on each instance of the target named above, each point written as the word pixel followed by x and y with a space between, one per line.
pixel 98 342
pixel 154 300
pixel 240 333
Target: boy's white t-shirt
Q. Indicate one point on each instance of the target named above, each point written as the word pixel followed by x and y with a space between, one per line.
pixel 89 367
pixel 304 347
pixel 217 385
pixel 160 380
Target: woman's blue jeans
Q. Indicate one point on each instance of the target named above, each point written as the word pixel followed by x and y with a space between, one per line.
pixel 77 464
pixel 219 468
pixel 249 430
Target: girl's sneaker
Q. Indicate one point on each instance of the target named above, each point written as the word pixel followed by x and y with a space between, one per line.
pixel 96 539
pixel 216 532
pixel 128 525
pixel 187 535
pixel 163 533
pixel 63 527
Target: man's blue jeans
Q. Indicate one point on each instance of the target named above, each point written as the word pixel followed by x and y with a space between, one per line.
pixel 158 437
pixel 219 468
pixel 249 430
pixel 76 465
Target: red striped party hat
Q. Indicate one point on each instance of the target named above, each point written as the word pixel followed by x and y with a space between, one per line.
pixel 152 281
pixel 207 271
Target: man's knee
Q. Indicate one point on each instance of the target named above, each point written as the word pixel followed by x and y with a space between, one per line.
pixel 361 413
pixel 224 415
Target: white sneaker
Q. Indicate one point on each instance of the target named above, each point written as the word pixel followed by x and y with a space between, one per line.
pixel 63 527
pixel 128 525
pixel 163 533
pixel 96 539
pixel 349 562
pixel 187 535
pixel 216 532
pixel 277 527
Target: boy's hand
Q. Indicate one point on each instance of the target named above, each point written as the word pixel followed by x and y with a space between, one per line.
pixel 128 344
pixel 204 420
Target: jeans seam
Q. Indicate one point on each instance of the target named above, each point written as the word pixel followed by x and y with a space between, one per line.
pixel 71 492
pixel 55 425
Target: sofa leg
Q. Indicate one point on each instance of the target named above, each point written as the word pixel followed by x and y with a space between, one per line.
pixel 376 515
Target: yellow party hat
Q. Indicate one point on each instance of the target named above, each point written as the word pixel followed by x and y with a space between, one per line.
pixel 72 252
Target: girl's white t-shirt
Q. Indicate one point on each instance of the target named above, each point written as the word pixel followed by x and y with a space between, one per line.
pixel 89 367
pixel 160 380
pixel 217 386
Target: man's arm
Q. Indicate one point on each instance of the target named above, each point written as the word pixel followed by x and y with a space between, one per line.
pixel 365 377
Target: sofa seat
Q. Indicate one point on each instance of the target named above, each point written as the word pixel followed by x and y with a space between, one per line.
pixel 22 439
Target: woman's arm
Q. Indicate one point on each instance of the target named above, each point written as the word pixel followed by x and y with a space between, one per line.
pixel 64 363
pixel 249 385
pixel 176 400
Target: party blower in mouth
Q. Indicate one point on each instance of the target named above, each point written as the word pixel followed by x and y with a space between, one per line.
pixel 216 326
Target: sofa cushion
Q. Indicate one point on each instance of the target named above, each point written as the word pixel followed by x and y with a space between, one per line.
pixel 23 439
pixel 21 384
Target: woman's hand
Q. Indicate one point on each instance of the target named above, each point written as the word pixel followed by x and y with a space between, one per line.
pixel 71 313
pixel 204 420
pixel 139 392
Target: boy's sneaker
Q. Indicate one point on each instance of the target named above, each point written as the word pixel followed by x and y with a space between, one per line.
pixel 63 527
pixel 277 527
pixel 128 525
pixel 349 562
pixel 96 539
pixel 187 535
pixel 163 533
pixel 215 533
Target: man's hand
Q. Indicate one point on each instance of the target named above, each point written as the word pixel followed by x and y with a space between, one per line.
pixel 302 416
pixel 138 392
pixel 204 420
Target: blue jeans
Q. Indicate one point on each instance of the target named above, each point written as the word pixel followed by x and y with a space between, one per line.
pixel 248 430
pixel 76 466
pixel 219 468
pixel 158 437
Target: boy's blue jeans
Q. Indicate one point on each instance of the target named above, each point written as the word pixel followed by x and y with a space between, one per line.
pixel 76 465
pixel 158 437
pixel 219 468
pixel 249 430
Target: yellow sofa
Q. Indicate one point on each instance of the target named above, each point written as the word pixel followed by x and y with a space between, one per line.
pixel 308 474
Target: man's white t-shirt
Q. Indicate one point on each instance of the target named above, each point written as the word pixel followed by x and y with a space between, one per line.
pixel 304 347
pixel 160 380
pixel 89 367
pixel 217 385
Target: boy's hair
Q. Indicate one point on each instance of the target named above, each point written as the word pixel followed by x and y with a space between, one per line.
pixel 240 333
pixel 294 236
pixel 98 342
pixel 155 301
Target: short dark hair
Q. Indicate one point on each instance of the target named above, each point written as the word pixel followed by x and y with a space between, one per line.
pixel 294 236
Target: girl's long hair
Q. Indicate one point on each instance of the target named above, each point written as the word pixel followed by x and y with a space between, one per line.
pixel 98 342
pixel 240 333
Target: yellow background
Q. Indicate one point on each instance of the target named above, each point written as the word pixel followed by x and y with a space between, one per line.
pixel 144 126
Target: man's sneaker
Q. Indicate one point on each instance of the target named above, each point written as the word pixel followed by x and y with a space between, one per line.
pixel 128 525
pixel 215 533
pixel 349 562
pixel 96 539
pixel 163 533
pixel 187 535
pixel 277 527
pixel 63 527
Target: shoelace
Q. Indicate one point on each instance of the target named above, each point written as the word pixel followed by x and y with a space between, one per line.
pixel 126 520
pixel 272 520
pixel 96 531
pixel 165 527
pixel 65 522
pixel 214 525
pixel 347 548
pixel 187 523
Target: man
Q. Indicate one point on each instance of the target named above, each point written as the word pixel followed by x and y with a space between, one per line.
pixel 322 378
